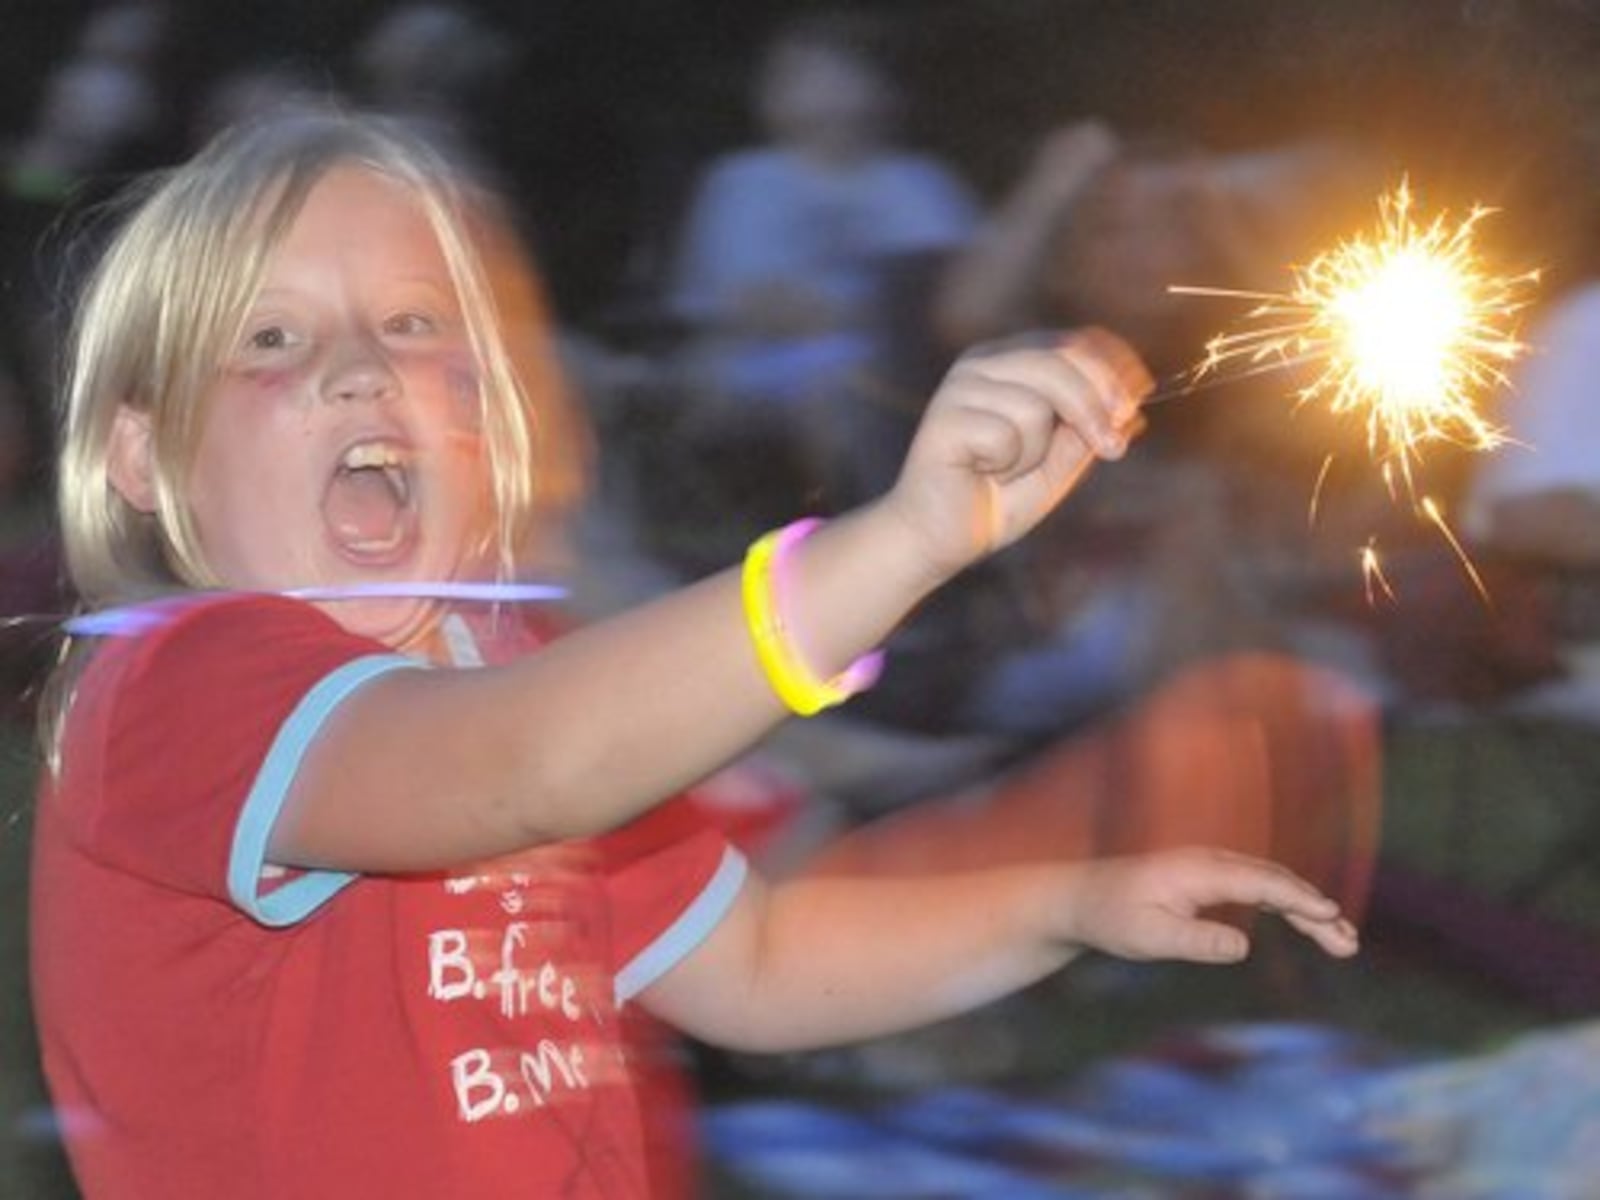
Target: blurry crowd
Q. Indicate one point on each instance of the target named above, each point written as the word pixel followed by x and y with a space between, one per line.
pixel 795 294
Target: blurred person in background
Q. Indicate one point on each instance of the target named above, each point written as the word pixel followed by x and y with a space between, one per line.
pixel 790 257
pixel 441 65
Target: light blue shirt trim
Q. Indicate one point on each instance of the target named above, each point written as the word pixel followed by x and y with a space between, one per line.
pixel 691 928
pixel 304 894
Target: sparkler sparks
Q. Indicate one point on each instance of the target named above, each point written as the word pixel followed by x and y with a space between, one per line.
pixel 1405 328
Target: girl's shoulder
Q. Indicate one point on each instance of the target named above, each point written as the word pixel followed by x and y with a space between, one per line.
pixel 201 676
pixel 147 626
pixel 209 638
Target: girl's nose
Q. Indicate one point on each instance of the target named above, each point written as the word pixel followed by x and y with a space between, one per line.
pixel 359 370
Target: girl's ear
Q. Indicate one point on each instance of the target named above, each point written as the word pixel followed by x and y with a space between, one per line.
pixel 130 460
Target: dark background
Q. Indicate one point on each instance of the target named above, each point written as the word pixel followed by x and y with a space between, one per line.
pixel 616 103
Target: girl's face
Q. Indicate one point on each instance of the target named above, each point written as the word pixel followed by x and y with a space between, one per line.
pixel 342 441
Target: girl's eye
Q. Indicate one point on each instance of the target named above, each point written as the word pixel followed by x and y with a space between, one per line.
pixel 270 337
pixel 409 324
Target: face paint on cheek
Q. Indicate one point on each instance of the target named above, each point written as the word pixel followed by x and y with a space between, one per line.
pixel 270 383
pixel 466 408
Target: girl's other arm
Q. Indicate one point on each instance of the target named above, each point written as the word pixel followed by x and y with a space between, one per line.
pixel 822 960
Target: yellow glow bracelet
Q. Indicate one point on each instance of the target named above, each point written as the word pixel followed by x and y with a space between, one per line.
pixel 800 690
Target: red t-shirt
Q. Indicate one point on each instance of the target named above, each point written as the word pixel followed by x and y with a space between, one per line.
pixel 213 1026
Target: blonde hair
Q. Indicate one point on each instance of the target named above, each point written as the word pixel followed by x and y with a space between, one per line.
pixel 168 301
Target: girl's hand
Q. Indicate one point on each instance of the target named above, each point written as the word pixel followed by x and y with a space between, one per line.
pixel 1013 426
pixel 1150 906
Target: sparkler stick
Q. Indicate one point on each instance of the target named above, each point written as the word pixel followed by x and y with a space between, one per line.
pixel 1187 383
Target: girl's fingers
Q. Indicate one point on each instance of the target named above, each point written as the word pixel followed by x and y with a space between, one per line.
pixel 1227 877
pixel 992 440
pixel 1112 354
pixel 1118 378
pixel 1111 362
pixel 1338 937
pixel 1287 893
pixel 1157 908
pixel 1203 941
pixel 1274 888
pixel 1097 413
pixel 1233 878
pixel 1086 391
pixel 1192 939
pixel 1031 417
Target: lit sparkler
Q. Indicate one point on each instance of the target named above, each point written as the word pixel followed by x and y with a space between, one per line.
pixel 1405 328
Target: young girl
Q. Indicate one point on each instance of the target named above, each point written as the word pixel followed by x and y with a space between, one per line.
pixel 323 906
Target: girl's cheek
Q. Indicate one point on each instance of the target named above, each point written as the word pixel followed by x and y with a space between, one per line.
pixel 459 412
pixel 465 408
pixel 270 383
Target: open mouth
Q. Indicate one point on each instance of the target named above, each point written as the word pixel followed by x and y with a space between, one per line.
pixel 369 503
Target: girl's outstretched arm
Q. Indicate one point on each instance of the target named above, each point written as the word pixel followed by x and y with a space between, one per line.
pixel 427 770
pixel 821 960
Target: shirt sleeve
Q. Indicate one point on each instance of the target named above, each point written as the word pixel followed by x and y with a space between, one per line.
pixel 194 732
pixel 670 878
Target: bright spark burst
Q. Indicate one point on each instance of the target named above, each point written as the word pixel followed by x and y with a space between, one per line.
pixel 1406 328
